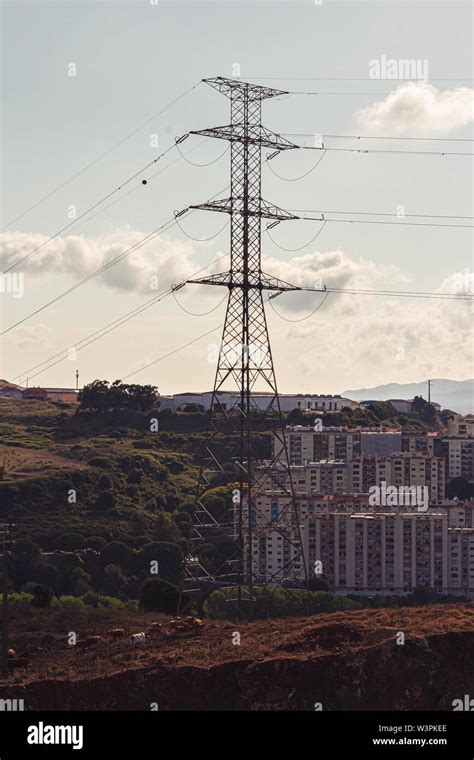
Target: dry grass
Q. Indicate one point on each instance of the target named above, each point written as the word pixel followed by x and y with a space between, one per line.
pixel 304 638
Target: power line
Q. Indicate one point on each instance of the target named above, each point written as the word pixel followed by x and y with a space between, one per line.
pixel 202 314
pixel 91 208
pixel 109 327
pixel 396 293
pixel 359 79
pixel 299 248
pixel 202 240
pixel 100 332
pixel 171 353
pixel 113 325
pixel 389 150
pixel 382 221
pixel 101 269
pixel 380 137
pixel 377 94
pixel 296 179
pixel 102 155
pixel 209 163
pixel 383 213
pixel 326 295
pixel 78 223
pixel 151 235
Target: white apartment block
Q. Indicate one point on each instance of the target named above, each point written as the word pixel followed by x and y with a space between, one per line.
pixel 362 548
pixel 306 443
pixel 385 552
pixel 460 456
pixel 358 476
pixel 461 560
pixel 261 400
pixel 399 470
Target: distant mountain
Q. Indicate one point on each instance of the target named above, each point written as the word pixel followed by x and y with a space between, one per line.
pixel 457 395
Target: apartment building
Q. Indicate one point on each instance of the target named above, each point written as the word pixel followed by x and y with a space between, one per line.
pixel 461 560
pixel 261 401
pixel 306 443
pixel 399 470
pixel 363 548
pixel 336 476
pixel 387 552
pixel 461 425
pixel 414 442
pixel 459 453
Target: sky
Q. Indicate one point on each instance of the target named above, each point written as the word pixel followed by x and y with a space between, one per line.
pixel 85 89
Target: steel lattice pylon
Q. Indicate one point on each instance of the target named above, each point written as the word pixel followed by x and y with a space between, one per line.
pixel 245 362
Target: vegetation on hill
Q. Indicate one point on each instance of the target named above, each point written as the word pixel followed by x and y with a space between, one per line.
pixel 102 494
pixel 378 413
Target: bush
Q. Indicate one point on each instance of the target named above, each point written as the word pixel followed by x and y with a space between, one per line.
pixel 100 462
pixel 70 542
pixel 106 500
pixel 157 595
pixel 105 482
pixel 116 553
pixel 101 601
pixel 169 557
pixel 279 602
pixel 96 542
pixel 67 602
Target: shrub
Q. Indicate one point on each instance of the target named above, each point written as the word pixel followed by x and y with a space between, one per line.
pixel 106 500
pixel 157 595
pixel 67 602
pixel 116 553
pixel 105 482
pixel 70 542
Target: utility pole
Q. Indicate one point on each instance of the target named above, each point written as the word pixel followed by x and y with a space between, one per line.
pixel 5 602
pixel 245 362
pixel 77 379
pixel 429 391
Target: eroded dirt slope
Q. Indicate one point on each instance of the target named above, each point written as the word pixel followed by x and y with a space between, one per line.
pixel 345 661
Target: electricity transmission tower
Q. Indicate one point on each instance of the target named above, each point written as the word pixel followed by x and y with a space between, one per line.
pixel 245 366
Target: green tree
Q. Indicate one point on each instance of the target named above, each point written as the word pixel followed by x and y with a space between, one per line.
pixel 169 557
pixel 383 410
pixel 42 596
pixel 114 581
pixel 116 553
pixel 157 595
pixel 95 396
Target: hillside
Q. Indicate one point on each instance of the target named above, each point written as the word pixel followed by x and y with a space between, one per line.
pixel 95 496
pixel 345 661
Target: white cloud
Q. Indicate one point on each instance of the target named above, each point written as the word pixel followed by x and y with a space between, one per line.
pixel 419 109
pixel 168 259
pixel 331 268
pixel 369 340
pixel 353 340
pixel 28 336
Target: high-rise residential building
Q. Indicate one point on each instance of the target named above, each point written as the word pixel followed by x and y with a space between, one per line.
pixel 387 552
pixel 356 547
pixel 306 443
pixel 329 476
pixel 461 425
pixel 459 452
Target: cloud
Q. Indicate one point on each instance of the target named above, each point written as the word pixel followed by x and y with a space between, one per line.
pixel 172 261
pixel 421 109
pixel 29 336
pixel 380 339
pixel 352 340
pixel 330 268
pixel 166 258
